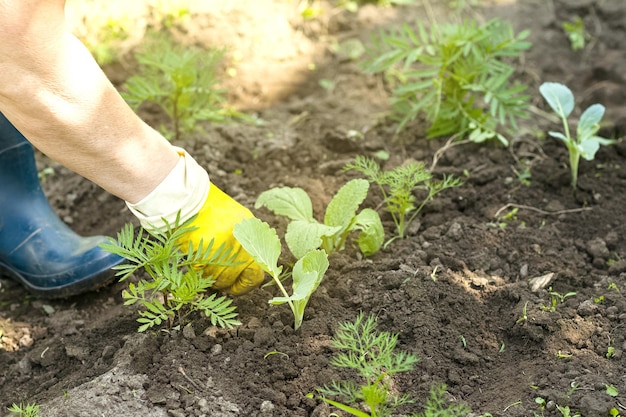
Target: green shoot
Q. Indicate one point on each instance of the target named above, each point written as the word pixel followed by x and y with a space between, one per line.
pixel 610 352
pixel 524 316
pixel 305 233
pixel 611 390
pixel 436 405
pixel 263 245
pixel 576 33
pixel 555 299
pixel 176 286
pixel 28 410
pixel 587 142
pixel 456 74
pixel 565 411
pixel 372 354
pixel 182 81
pixel 398 186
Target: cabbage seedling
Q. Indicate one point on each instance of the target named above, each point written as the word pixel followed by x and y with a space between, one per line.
pixel 305 233
pixel 587 142
pixel 262 243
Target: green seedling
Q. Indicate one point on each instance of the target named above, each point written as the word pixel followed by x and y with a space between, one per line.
pixel 176 286
pixel 565 411
pixel 274 352
pixel 614 412
pixel 436 405
pixel 182 81
pixel 506 219
pixel 610 351
pixel 542 403
pixel 457 75
pixel 563 355
pixel 555 299
pixel 587 142
pixel 263 245
pixel 611 390
pixel 45 173
pixel 372 354
pixel 305 233
pixel 524 176
pixel 573 387
pixel 25 410
pixel 524 316
pixel 576 33
pixel 398 187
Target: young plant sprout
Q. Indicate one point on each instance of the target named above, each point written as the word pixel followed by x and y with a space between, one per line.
pixel 398 187
pixel 587 142
pixel 372 354
pixel 176 287
pixel 24 410
pixel 180 80
pixel 305 233
pixel 263 245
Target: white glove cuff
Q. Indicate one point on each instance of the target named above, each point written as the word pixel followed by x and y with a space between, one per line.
pixel 185 189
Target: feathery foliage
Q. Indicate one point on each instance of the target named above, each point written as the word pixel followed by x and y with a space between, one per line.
pixel 182 81
pixel 372 354
pixel 398 187
pixel 457 75
pixel 176 287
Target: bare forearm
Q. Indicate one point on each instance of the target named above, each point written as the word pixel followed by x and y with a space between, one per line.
pixel 53 91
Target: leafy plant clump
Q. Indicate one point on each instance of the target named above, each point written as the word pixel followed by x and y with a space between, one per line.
pixel 437 406
pixel 263 245
pixel 176 286
pixel 305 233
pixel 25 410
pixel 457 75
pixel 182 81
pixel 576 33
pixel 586 143
pixel 373 355
pixel 398 187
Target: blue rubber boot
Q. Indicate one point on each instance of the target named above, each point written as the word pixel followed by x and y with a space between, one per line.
pixel 36 247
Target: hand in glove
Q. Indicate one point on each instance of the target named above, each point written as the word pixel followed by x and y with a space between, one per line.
pixel 186 192
pixel 216 220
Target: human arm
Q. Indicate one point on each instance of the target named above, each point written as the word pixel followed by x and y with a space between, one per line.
pixel 55 94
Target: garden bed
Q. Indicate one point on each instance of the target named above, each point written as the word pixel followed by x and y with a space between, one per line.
pixel 458 290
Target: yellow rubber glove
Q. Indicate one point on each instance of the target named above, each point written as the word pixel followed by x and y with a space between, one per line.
pixel 216 220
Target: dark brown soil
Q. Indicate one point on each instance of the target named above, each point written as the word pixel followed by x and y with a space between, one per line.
pixel 454 290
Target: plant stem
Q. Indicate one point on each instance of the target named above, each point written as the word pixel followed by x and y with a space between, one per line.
pixel 286 294
pixel 574 157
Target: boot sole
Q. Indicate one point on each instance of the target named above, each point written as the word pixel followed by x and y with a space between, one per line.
pixel 91 283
